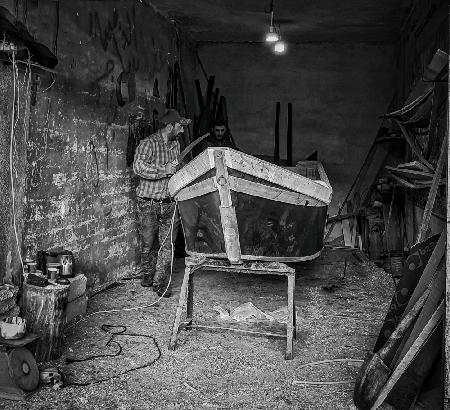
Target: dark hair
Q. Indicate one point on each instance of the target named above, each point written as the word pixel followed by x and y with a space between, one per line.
pixel 219 122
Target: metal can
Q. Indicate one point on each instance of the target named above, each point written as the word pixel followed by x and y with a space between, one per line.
pixel 52 273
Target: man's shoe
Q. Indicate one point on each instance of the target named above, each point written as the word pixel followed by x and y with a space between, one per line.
pixel 160 292
pixel 147 281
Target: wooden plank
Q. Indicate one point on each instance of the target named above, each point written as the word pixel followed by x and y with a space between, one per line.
pixel 276 149
pixel 433 300
pixel 432 194
pixel 409 357
pixel 289 136
pixel 414 166
pixel 190 172
pixel 272 193
pixel 410 173
pixel 347 233
pixel 413 146
pixel 429 271
pixel 253 166
pixel 200 188
pixel 447 280
pixel 227 210
pixel 403 182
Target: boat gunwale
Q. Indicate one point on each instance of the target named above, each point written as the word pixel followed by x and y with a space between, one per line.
pixel 244 186
pixel 247 164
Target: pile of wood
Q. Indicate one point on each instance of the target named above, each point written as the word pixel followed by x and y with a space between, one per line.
pixel 402 171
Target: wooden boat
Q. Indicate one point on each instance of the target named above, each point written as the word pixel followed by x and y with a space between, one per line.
pixel 233 205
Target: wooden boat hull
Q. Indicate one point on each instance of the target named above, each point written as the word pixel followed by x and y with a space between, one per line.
pixel 228 213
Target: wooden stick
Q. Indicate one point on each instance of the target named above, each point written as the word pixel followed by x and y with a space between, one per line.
pixel 276 150
pixel 215 104
pixel 432 194
pixel 289 137
pixel 447 280
pixel 409 357
pixel 183 99
pixel 198 88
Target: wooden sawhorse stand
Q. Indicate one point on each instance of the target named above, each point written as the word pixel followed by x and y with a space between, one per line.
pixel 251 267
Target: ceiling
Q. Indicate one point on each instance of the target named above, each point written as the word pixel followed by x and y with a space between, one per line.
pixel 302 21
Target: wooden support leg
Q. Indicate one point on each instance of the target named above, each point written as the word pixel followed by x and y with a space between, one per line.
pixel 190 301
pixel 294 312
pixel 291 321
pixel 181 304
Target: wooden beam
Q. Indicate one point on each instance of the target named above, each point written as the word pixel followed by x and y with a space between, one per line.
pixel 447 281
pixel 276 149
pixel 432 194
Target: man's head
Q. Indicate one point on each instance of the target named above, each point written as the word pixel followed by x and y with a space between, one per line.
pixel 172 123
pixel 219 129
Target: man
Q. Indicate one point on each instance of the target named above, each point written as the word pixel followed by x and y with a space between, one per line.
pixel 155 161
pixel 220 136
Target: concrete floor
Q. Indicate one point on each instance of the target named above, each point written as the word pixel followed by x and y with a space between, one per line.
pixel 338 317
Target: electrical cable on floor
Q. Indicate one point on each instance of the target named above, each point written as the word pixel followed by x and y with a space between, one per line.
pixel 107 328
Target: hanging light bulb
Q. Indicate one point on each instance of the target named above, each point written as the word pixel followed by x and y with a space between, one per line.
pixel 279 47
pixel 272 35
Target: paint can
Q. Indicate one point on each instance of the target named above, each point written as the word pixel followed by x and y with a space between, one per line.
pixel 52 273
pixel 31 267
pixel 53 265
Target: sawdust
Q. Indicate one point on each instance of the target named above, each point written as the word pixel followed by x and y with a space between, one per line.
pixel 226 370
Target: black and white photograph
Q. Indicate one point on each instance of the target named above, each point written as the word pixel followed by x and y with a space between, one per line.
pixel 224 204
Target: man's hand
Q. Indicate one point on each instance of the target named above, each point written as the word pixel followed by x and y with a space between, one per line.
pixel 171 167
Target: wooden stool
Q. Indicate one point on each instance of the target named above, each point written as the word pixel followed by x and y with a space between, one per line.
pixel 250 267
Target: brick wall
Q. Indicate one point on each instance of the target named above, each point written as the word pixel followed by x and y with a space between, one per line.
pixel 79 191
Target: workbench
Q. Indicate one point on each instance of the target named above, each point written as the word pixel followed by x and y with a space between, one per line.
pixel 194 264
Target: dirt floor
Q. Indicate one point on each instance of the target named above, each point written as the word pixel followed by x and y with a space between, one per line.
pixel 341 306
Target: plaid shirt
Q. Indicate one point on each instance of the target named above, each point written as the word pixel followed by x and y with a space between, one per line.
pixel 150 159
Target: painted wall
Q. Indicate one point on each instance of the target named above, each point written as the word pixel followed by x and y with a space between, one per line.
pixel 337 92
pixel 79 191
